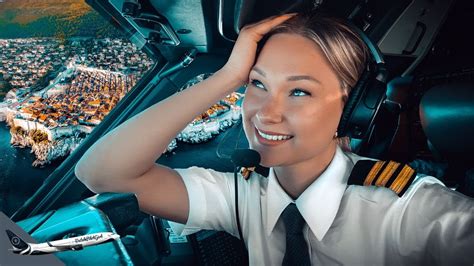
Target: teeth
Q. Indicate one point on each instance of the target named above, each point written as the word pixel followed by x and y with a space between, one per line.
pixel 273 137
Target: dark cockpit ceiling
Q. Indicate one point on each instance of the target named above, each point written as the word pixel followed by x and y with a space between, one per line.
pixel 404 30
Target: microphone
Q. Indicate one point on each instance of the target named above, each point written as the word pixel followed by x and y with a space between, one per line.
pixel 247 161
pixel 245 158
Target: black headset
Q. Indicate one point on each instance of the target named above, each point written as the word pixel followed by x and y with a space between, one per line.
pixel 366 97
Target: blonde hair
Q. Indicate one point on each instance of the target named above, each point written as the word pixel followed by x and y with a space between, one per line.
pixel 344 49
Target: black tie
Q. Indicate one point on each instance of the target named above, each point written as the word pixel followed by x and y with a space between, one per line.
pixel 296 252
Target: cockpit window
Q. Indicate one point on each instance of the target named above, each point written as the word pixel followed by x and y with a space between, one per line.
pixel 62 70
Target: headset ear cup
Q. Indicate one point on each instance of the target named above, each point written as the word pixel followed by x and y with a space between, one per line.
pixel 366 96
pixel 351 104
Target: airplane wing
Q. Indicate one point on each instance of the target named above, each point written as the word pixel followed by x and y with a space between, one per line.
pixel 76 247
pixel 64 247
pixel 56 245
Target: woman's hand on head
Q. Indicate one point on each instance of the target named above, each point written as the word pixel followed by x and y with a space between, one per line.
pixel 243 54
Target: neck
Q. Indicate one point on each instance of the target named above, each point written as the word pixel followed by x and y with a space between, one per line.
pixel 295 178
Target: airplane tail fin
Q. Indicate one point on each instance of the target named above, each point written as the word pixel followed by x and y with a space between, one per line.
pixel 16 241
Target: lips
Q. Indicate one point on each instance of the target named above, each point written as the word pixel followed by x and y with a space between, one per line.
pixel 265 141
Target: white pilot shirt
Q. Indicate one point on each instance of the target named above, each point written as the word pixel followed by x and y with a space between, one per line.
pixel 346 225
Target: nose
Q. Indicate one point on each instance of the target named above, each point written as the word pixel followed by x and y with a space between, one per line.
pixel 270 111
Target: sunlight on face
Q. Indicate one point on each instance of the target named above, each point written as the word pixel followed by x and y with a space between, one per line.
pixel 292 91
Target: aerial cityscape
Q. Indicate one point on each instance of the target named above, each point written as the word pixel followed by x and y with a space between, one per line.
pixel 57 92
pixel 63 68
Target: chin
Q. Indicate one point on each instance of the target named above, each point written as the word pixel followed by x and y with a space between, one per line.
pixel 266 164
pixel 266 158
pixel 268 161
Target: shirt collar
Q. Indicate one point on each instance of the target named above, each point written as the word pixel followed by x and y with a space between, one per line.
pixel 319 203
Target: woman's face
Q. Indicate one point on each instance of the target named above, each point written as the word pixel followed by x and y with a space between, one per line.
pixel 294 96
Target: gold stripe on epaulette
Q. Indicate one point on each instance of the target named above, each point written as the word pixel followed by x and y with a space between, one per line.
pixel 373 173
pixel 387 173
pixel 402 179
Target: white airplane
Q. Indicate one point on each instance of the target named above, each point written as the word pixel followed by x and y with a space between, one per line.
pixel 73 243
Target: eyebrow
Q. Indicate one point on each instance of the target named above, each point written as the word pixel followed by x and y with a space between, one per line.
pixel 290 78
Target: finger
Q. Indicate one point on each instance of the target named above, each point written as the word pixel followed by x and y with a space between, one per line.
pixel 276 16
pixel 266 20
pixel 266 25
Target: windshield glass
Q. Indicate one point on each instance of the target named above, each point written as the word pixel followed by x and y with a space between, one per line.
pixel 63 68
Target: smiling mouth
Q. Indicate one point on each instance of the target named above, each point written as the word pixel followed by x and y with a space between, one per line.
pixel 271 139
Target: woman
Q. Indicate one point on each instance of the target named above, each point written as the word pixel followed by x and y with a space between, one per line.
pixel 297 87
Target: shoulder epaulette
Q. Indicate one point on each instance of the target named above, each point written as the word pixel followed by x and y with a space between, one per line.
pixel 389 174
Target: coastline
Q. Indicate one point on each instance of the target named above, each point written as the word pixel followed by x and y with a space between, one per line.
pixel 45 151
pixel 18 178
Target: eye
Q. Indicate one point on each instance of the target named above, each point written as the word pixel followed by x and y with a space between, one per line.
pixel 300 92
pixel 257 83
